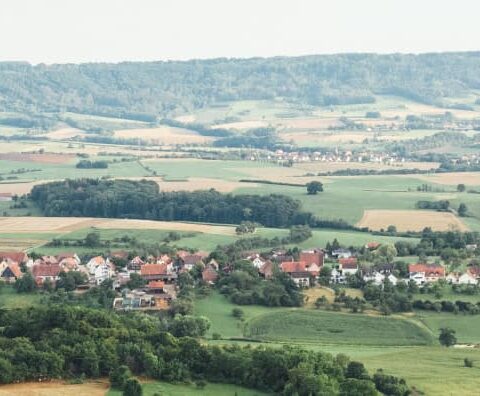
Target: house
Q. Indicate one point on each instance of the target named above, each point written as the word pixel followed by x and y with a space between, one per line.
pixel 300 272
pixel 94 263
pixel 256 260
pixel 209 274
pixel 10 271
pixel 49 260
pixel 313 256
pixel 120 254
pixel 266 270
pixel 425 273
pixel 341 253
pixel 46 272
pixel 372 245
pixel 70 256
pixel 349 266
pixel 134 300
pixel 378 278
pixel 188 261
pixel 157 272
pixel 103 272
pixel 457 278
pixel 155 287
pixel 18 257
pixel 135 264
pixel 70 264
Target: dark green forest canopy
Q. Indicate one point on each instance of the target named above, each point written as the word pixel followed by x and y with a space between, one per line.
pixel 147 90
pixel 143 200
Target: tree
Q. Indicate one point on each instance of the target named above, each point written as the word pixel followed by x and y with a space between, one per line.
pixel 132 388
pixel 462 210
pixel 92 239
pixel 447 337
pixel 25 284
pixel 314 187
pixel 119 376
pixel 391 229
pixel 237 313
pixel 136 281
pixel 356 387
pixel 356 370
pixel 468 362
pixel 461 187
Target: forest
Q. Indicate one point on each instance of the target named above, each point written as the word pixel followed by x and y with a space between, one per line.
pixel 71 342
pixel 143 200
pixel 148 90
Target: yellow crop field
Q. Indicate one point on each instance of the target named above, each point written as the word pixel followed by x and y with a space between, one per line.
pixel 55 389
pixel 164 135
pixel 411 220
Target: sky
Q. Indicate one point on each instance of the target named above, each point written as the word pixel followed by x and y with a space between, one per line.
pixel 73 31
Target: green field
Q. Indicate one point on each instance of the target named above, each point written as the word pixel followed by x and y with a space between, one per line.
pixel 337 328
pixel 430 368
pixel 211 389
pixel 466 326
pixel 10 299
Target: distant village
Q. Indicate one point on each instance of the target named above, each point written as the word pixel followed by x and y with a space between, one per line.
pixel 160 274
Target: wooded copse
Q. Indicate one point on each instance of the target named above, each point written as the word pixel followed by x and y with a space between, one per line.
pixel 143 200
pixel 145 90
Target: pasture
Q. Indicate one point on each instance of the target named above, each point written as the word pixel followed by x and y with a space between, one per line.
pixel 336 328
pixel 211 389
pixel 411 220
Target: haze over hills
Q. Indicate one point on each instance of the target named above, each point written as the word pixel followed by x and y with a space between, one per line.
pixel 146 90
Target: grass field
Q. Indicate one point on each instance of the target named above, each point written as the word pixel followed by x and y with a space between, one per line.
pixel 9 298
pixel 432 369
pixel 336 328
pixel 164 135
pixel 466 326
pixel 211 389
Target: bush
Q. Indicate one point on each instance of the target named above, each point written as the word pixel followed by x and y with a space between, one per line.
pixel 468 362
pixel 132 388
pixel 237 313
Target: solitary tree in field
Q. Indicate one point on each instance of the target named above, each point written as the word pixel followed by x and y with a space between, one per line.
pixel 462 210
pixel 447 337
pixel 461 188
pixel 314 187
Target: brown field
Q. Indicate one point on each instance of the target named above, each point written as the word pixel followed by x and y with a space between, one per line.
pixel 279 175
pixel 164 135
pixel 67 224
pixel 410 220
pixel 46 158
pixel 15 244
pixel 99 388
pixel 198 183
pixel 318 291
pixel 242 125
pixel 18 188
pixel 468 178
pixel 64 133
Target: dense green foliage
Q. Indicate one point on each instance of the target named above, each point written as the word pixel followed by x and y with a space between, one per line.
pixel 142 200
pixel 142 91
pixel 66 341
pixel 87 164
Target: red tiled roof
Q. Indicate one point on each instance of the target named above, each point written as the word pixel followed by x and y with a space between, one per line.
pixel 293 266
pixel 428 269
pixel 312 257
pixel 46 270
pixel 19 257
pixel 209 274
pixel 153 269
pixel 15 270
pixel 474 271
pixel 156 285
pixel 373 245
pixel 348 263
pixel 192 259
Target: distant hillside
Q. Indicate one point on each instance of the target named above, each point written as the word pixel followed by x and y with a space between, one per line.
pixel 148 90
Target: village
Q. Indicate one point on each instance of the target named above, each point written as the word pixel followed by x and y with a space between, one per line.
pixel 158 275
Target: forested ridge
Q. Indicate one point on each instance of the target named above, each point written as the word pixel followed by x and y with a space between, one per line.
pixel 143 200
pixel 146 90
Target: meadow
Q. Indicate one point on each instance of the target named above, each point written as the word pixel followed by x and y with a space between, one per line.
pixel 430 368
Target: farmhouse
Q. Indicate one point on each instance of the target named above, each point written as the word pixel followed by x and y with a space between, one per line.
pixel 266 270
pixel 10 271
pixel 457 278
pixel 377 278
pixel 210 274
pixel 341 253
pixel 345 266
pixel 300 272
pixel 313 256
pixel 46 273
pixel 256 260
pixel 18 257
pixel 188 261
pixel 425 273
pixel 135 264
pixel 157 272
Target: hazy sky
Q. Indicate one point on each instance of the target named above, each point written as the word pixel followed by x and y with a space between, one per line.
pixel 59 31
